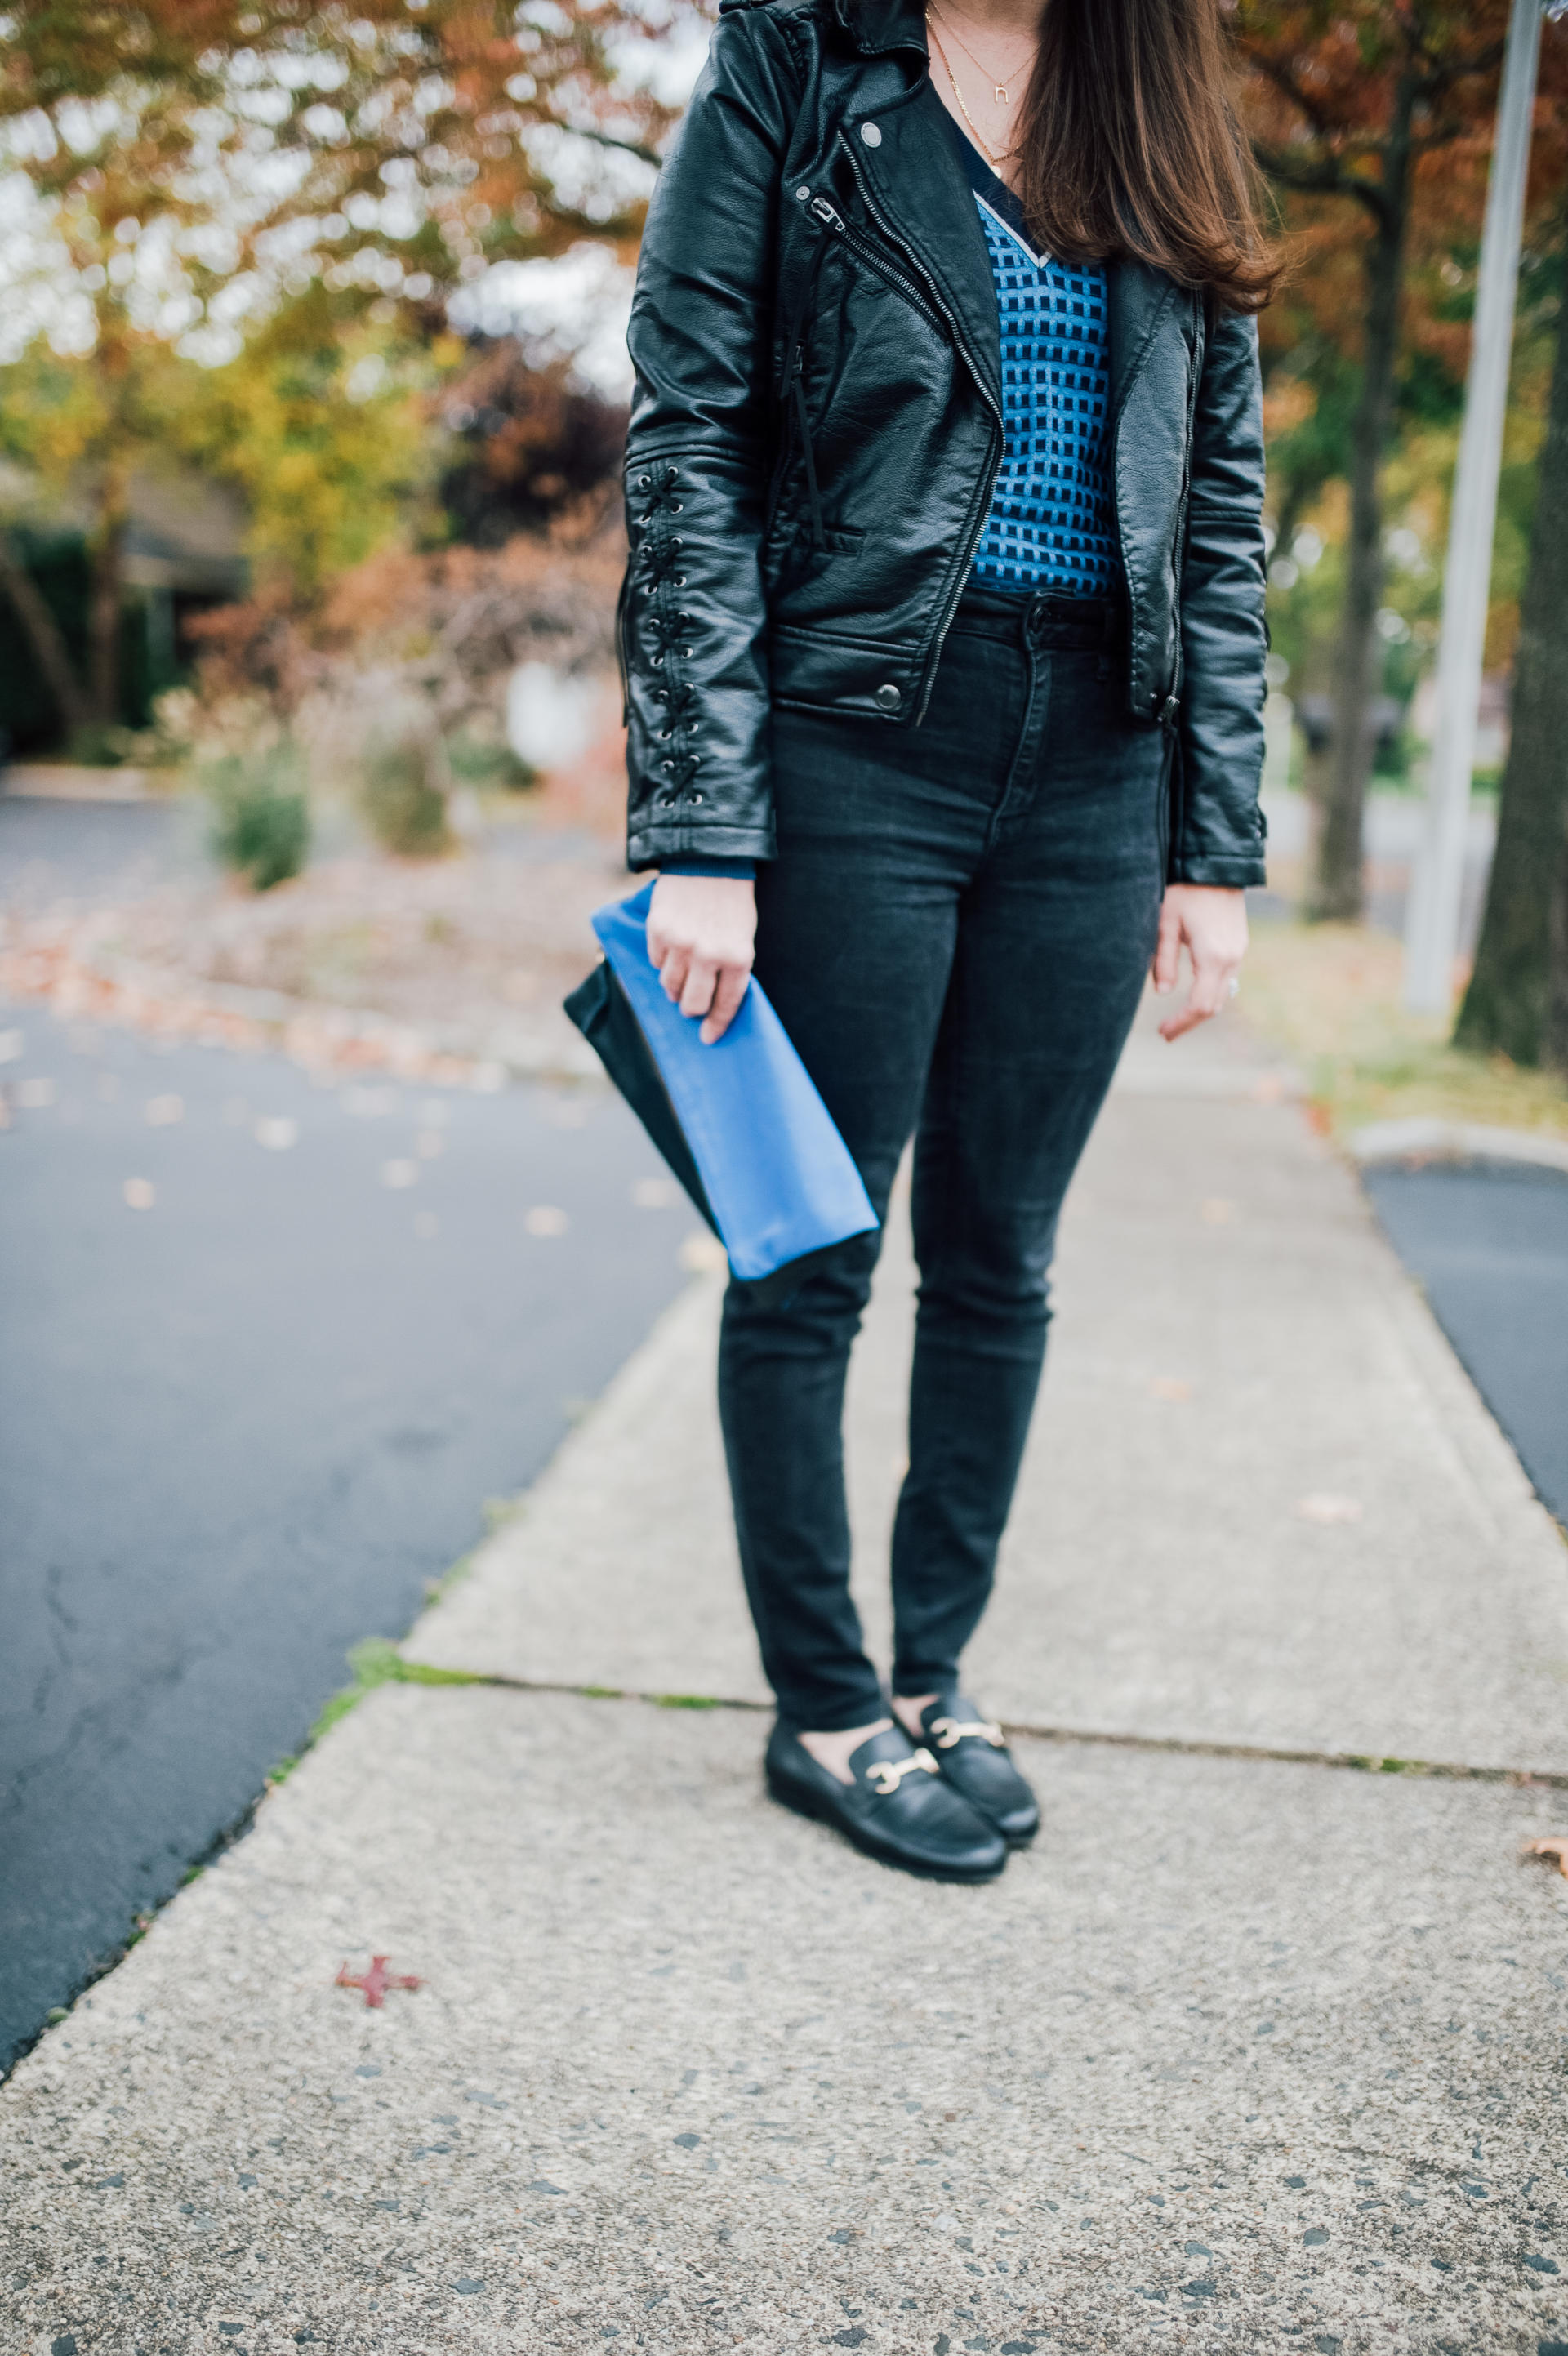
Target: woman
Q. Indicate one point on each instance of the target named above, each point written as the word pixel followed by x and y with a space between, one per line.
pixel 943 641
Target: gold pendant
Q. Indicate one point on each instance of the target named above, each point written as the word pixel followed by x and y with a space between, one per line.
pixel 1001 93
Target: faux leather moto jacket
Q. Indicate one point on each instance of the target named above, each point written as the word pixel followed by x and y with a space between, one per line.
pixel 817 427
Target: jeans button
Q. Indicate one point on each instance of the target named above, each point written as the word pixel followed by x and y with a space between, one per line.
pixel 887 698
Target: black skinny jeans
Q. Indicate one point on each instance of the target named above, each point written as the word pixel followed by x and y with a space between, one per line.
pixel 955 932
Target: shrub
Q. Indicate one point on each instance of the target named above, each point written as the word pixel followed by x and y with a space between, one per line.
pixel 261 818
pixel 486 761
pixel 404 782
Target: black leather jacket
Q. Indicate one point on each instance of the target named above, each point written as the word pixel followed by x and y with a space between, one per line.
pixel 817 426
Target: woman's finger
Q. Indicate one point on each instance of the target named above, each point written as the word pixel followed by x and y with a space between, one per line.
pixel 1209 975
pixel 732 987
pixel 697 991
pixel 672 967
pixel 1208 994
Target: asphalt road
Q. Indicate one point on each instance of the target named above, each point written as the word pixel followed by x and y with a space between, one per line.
pixel 1489 1242
pixel 267 1347
pixel 54 850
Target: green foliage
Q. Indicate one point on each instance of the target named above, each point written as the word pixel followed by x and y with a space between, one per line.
pixel 404 801
pixel 486 761
pixel 323 428
pixel 261 817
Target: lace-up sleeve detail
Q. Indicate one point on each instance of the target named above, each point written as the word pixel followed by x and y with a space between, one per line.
pixel 693 619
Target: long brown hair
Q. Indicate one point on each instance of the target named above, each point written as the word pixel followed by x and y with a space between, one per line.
pixel 1130 147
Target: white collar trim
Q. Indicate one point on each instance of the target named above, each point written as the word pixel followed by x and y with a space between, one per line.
pixel 1039 260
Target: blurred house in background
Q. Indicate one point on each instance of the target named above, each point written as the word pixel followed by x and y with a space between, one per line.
pixel 183 557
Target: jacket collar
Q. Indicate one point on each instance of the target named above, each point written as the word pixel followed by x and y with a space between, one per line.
pixel 1136 299
pixel 915 173
pixel 915 180
pixel 875 26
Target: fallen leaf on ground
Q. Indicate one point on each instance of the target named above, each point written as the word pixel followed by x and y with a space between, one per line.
pixel 375 1982
pixel 1554 1850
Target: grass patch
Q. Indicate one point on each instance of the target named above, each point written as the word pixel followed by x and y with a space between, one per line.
pixel 375 1661
pixel 435 1588
pixel 687 1701
pixel 1329 995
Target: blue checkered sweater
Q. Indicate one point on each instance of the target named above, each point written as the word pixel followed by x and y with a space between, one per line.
pixel 1050 529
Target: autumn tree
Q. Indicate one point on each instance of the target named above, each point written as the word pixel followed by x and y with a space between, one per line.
pixel 1378 109
pixel 1508 1003
pixel 196 166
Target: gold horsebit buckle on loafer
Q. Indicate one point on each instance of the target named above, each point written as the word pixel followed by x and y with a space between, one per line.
pixel 952 1730
pixel 888 1774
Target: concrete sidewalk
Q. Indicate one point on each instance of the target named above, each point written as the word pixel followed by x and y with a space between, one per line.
pixel 1251 2051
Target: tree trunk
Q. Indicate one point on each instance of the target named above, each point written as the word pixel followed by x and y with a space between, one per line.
pixel 1505 1004
pixel 106 600
pixel 1337 890
pixel 43 633
pixel 1554 1040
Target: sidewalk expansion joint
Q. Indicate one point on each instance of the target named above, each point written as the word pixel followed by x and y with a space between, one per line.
pixel 1192 1747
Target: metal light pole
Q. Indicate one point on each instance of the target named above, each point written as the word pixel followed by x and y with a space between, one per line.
pixel 1431 931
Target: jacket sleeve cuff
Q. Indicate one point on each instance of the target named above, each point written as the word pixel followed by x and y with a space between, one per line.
pixel 655 844
pixel 1239 875
pixel 734 870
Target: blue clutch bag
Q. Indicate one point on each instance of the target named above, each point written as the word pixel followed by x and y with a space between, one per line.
pixel 739 1123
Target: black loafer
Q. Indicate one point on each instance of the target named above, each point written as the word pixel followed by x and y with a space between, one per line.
pixel 974 1760
pixel 899 1808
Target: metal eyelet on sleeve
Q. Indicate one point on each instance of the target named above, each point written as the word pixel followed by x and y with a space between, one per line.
pixel 665 628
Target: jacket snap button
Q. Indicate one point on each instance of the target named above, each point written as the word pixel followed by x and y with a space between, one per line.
pixel 887 698
pixel 871 135
pixel 800 195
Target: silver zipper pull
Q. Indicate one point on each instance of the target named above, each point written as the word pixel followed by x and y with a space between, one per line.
pixel 825 213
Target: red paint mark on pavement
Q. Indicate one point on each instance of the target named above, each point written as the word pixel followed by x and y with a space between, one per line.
pixel 376 1981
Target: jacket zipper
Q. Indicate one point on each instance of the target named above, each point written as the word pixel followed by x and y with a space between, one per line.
pixel 794 392
pixel 979 505
pixel 874 259
pixel 792 400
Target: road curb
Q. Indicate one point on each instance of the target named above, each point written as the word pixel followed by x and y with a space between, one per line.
pixel 1428 1139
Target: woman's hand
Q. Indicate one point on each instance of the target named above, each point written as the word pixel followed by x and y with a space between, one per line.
pixel 701 935
pixel 1212 921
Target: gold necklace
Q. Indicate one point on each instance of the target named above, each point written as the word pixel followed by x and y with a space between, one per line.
pixel 1000 89
pixel 991 155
